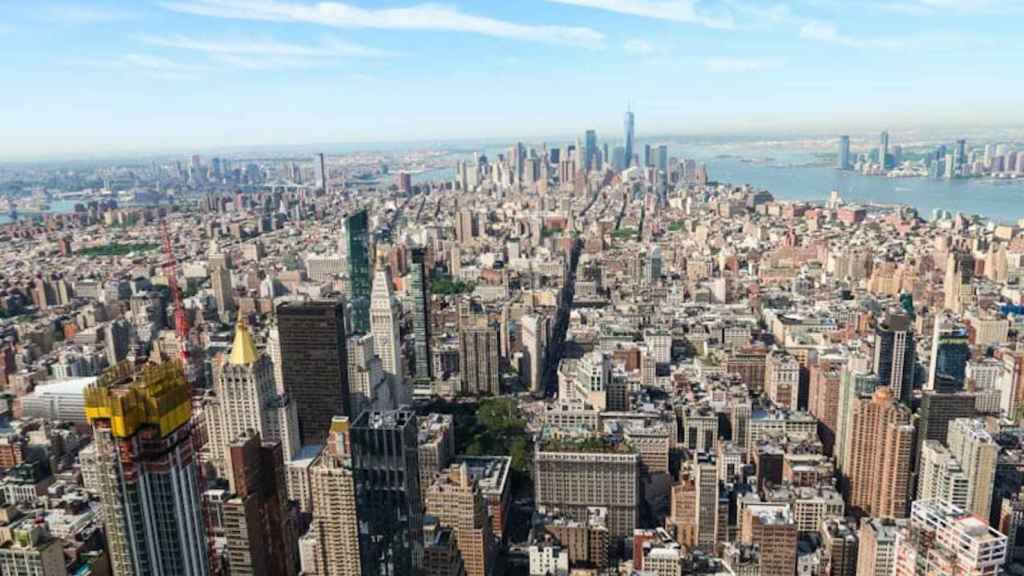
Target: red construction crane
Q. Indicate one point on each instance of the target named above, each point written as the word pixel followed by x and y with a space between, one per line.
pixel 183 332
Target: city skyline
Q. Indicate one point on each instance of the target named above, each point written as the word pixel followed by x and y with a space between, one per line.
pixel 202 74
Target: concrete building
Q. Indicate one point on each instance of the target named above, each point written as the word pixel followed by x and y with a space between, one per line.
pixel 385 321
pixel 455 500
pixel 943 539
pixel 880 456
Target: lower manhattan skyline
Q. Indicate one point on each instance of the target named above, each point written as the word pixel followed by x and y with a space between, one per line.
pixel 201 74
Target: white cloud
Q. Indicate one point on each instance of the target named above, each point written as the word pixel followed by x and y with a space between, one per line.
pixel 729 64
pixel 327 49
pixel 827 32
pixel 929 7
pixel 418 17
pixel 146 65
pixel 639 47
pixel 683 11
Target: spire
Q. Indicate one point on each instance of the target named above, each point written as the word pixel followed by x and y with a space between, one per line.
pixel 243 351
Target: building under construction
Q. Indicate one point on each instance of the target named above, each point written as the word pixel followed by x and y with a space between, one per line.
pixel 147 471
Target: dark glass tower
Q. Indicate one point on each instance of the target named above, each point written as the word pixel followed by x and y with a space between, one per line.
pixel 357 228
pixel 385 460
pixel 894 356
pixel 630 135
pixel 314 364
pixel 419 292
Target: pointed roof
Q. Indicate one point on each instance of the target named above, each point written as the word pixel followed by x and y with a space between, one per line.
pixel 243 350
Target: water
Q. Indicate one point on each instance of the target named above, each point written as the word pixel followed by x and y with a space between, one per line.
pixel 1001 201
pixel 56 207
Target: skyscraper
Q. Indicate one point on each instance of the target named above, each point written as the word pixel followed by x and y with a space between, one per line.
pixel 455 499
pixel 532 329
pixel 943 539
pixel 844 153
pixel 479 357
pixel 883 151
pixel 385 459
pixel 950 353
pixel 419 294
pixel 630 126
pixel 590 150
pixel 384 322
pixel 246 399
pixel 894 356
pixel 333 492
pixel 146 470
pixel 320 170
pixel 314 363
pixel 977 453
pixel 357 230
pixel 261 539
pixel 957 285
pixel 882 441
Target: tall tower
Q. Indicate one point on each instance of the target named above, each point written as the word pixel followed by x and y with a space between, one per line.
pixel 146 470
pixel 950 353
pixel 894 356
pixel 977 453
pixel 956 286
pixel 384 323
pixel 419 294
pixel 590 150
pixel 844 153
pixel 630 126
pixel 532 329
pixel 479 358
pixel 314 364
pixel 333 491
pixel 246 399
pixel 882 440
pixel 260 536
pixel 883 151
pixel 357 230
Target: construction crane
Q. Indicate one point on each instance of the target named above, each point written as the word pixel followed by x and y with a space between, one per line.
pixel 188 362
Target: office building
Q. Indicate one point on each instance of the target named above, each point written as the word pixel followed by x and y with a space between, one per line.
pixel 223 292
pixel 950 353
pixel 479 358
pixel 357 236
pixel 883 151
pixel 28 549
pixel 533 332
pixel 894 356
pixel 840 544
pixel 876 552
pixel 574 477
pixel 844 153
pixel 978 454
pixel 957 286
pixel 385 325
pixel 782 379
pixel 117 336
pixel 590 151
pixel 455 500
pixel 941 477
pixel 882 440
pixel 332 481
pixel 436 441
pixel 937 410
pixel 630 134
pixel 705 476
pixel 146 471
pixel 314 364
pixel 771 528
pixel 419 296
pixel 943 539
pixel 258 529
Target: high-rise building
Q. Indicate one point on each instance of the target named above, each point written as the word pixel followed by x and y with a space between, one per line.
pixel 950 353
pixel 419 296
pixel 320 171
pixel 455 499
pixel 844 153
pixel 357 233
pixel 882 441
pixel 782 379
pixel 146 470
pixel 258 528
pixel 385 320
pixel 943 539
pixel 705 475
pixel 894 356
pixel 332 479
pixel 978 454
pixel 590 150
pixel 663 158
pixel 883 151
pixel 246 399
pixel 436 446
pixel 573 480
pixel 840 543
pixel 314 364
pixel 957 286
pixel 876 554
pixel 117 336
pixel 628 147
pixel 223 294
pixel 774 531
pixel 369 386
pixel 466 226
pixel 532 330
pixel 941 476
pixel 479 358
pixel 385 459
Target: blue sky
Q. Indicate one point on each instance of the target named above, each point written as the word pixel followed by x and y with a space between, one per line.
pixel 102 77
